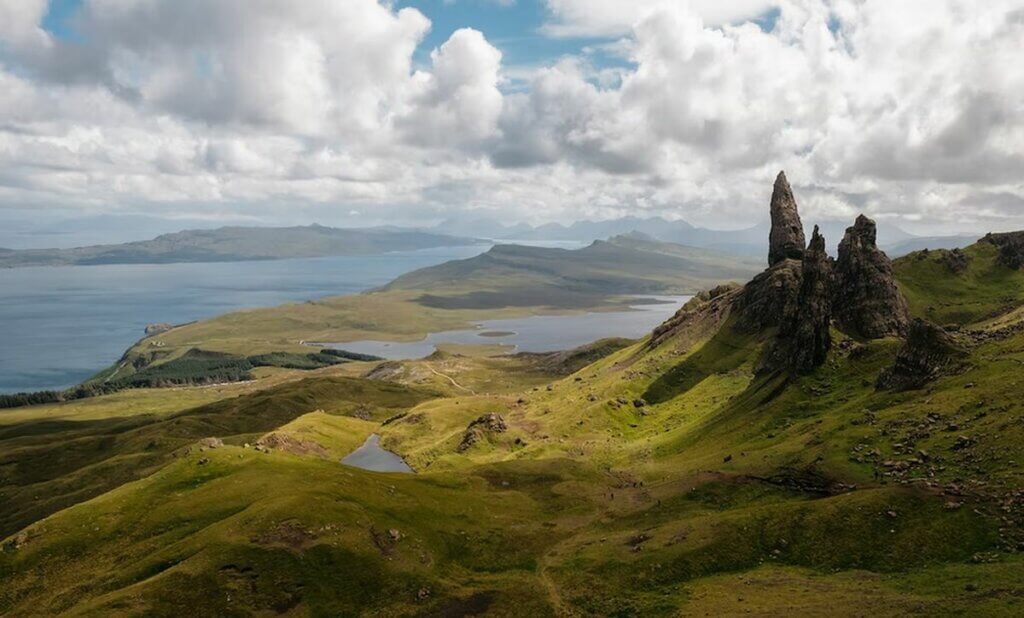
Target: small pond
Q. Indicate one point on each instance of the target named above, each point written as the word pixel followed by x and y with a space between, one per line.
pixel 371 456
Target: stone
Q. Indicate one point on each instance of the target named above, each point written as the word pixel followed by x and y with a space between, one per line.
pixel 786 239
pixel 928 353
pixel 1011 248
pixel 211 443
pixel 867 302
pixel 478 429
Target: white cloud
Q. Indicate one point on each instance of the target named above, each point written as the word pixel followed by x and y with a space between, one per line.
pixel 913 110
pixel 599 18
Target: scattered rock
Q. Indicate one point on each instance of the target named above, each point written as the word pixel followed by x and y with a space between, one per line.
pixel 639 403
pixel 423 594
pixel 203 461
pixel 290 444
pixel 211 443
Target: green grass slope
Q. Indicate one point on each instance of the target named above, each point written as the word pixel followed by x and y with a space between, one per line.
pixel 943 292
pixel 663 478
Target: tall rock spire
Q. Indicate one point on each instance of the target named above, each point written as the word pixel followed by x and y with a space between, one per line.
pixel 803 341
pixel 867 303
pixel 786 240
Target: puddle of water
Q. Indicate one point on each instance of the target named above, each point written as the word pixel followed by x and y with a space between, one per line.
pixel 370 456
pixel 541 333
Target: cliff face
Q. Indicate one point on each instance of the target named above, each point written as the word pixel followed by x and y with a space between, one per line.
pixel 868 304
pixel 805 339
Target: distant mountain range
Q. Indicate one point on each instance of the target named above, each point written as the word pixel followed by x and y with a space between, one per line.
pixel 751 241
pixel 229 244
pixel 238 243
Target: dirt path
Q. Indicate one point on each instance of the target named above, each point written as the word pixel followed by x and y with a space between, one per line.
pixel 452 380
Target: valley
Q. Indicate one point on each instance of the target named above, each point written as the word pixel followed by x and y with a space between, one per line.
pixel 837 436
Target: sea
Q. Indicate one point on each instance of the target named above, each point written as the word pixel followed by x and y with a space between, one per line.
pixel 61 325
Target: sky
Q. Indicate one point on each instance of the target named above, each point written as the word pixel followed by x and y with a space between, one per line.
pixel 366 112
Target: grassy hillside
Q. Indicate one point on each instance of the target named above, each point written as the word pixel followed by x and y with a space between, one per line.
pixel 959 288
pixel 229 244
pixel 518 275
pixel 657 479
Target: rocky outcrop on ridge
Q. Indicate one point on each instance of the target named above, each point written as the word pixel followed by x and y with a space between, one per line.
pixel 477 430
pixel 803 291
pixel 804 340
pixel 786 239
pixel 929 352
pixel 867 302
pixel 1011 248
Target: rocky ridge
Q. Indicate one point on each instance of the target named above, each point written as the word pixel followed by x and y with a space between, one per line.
pixel 1011 248
pixel 804 292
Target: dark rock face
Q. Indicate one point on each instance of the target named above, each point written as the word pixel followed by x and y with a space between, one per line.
pixel 770 299
pixel 786 239
pixel 478 429
pixel 867 302
pixel 1011 248
pixel 804 340
pixel 929 352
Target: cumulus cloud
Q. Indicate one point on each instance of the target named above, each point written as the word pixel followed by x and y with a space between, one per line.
pixel 912 110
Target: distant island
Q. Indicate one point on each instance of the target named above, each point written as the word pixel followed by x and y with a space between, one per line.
pixel 235 244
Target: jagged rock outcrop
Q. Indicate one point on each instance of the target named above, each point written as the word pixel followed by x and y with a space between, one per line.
pixel 867 302
pixel 1011 248
pixel 477 430
pixel 786 239
pixel 955 260
pixel 929 352
pixel 804 340
pixel 770 299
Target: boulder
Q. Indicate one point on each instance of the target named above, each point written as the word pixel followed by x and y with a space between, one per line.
pixel 928 353
pixel 786 239
pixel 867 302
